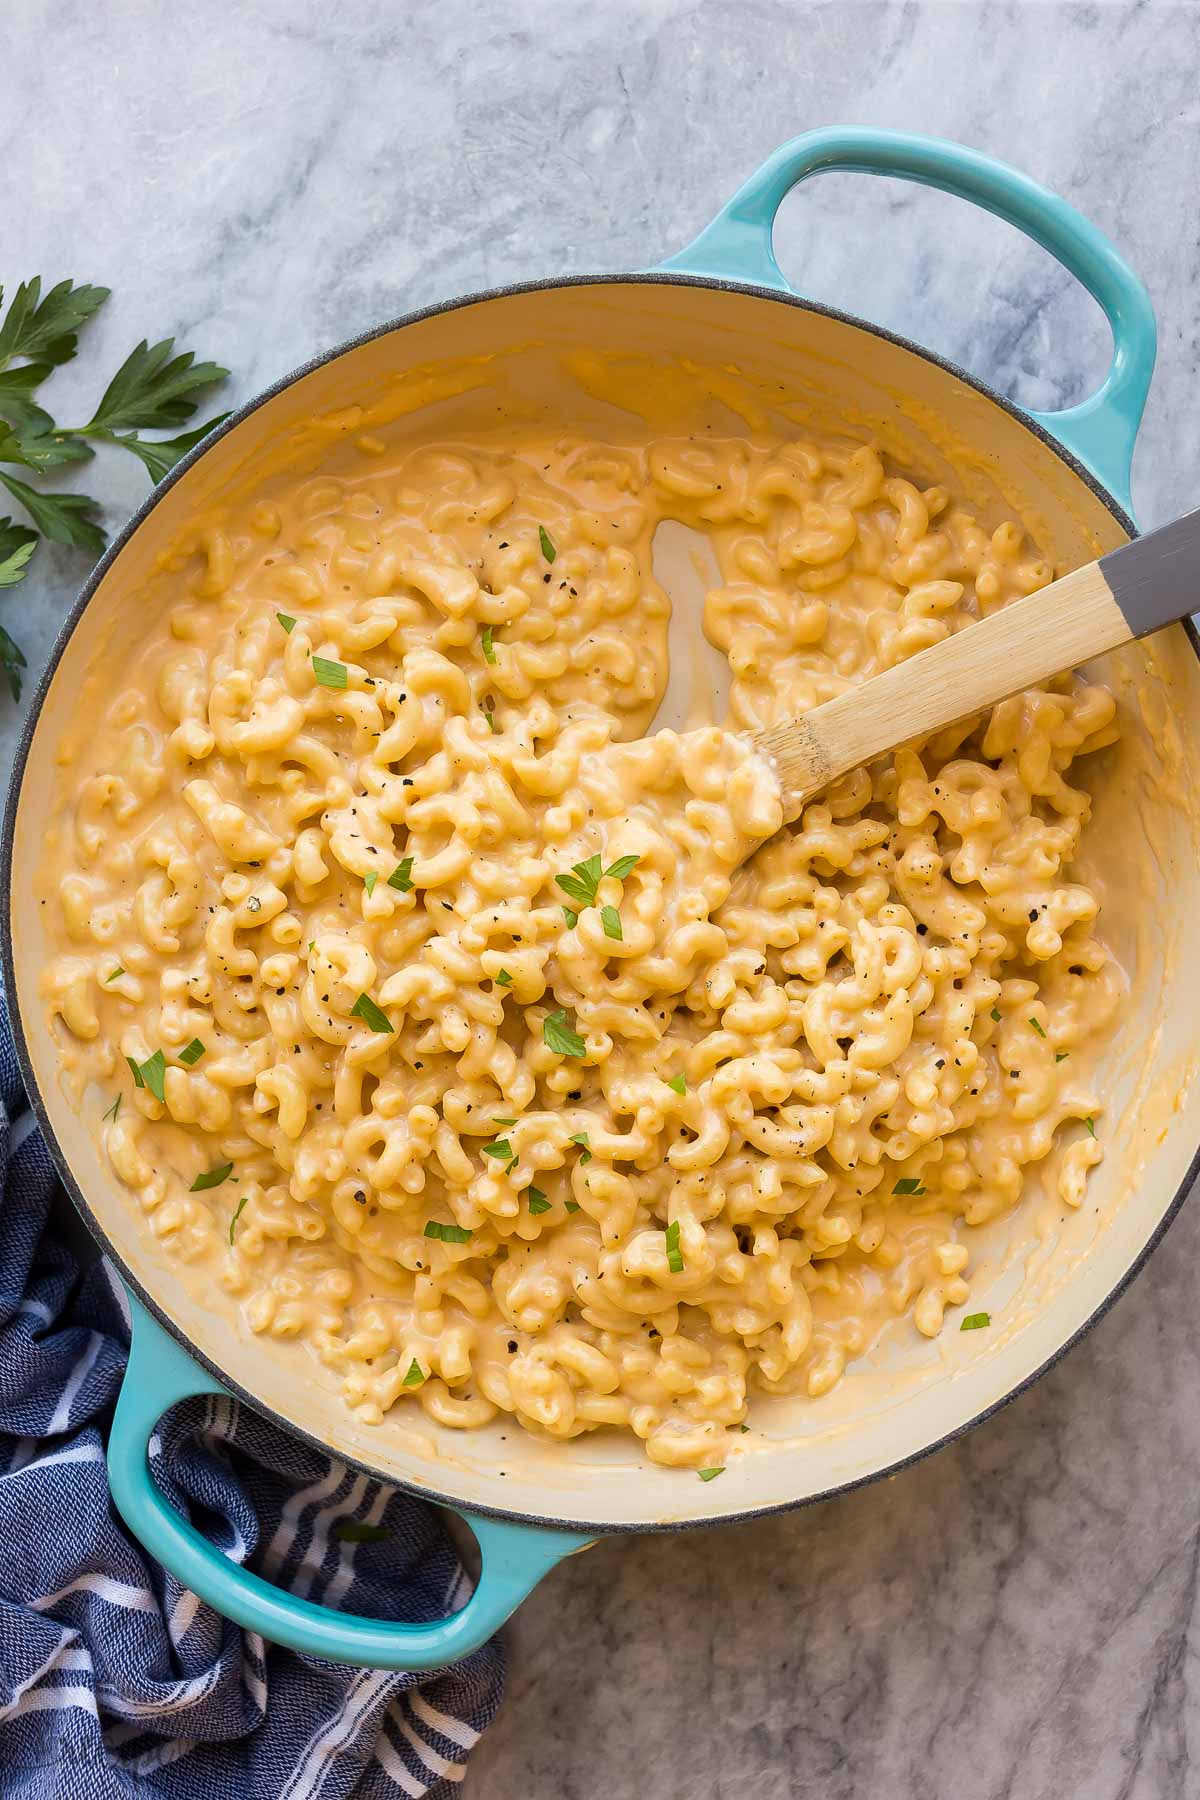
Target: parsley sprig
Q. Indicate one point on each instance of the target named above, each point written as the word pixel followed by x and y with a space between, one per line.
pixel 153 390
pixel 583 885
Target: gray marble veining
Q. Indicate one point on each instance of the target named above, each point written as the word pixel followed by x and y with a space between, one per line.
pixel 1015 1618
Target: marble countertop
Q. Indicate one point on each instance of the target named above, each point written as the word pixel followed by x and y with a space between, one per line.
pixel 1017 1616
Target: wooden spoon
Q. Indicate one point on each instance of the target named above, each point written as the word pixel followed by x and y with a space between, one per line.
pixel 1130 592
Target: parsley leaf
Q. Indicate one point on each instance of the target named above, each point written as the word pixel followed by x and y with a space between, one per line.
pixel 211 1178
pixel 150 390
pixel 489 653
pixel 503 978
pixel 538 1202
pixel 12 661
pixel 401 876
pixel 415 1376
pixel 159 455
pixel 18 406
pixel 328 673
pixel 583 883
pixel 447 1234
pixel 976 1322
pixel 237 1215
pixel 610 918
pixel 364 1008
pixel 369 880
pixel 150 1074
pixel 571 1205
pixel 113 1110
pixel 17 545
pixel 674 1253
pixel 581 1138
pixel 558 1036
pixel 709 1474
pixel 60 517
pixel 572 918
pixel 287 621
pixel 46 328
pixel 1037 1028
pixel 501 1148
pixel 679 1083
pixel 620 869
pixel 910 1184
pixel 547 543
pixel 192 1052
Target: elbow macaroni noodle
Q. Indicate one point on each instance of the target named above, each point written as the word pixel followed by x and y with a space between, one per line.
pixel 385 714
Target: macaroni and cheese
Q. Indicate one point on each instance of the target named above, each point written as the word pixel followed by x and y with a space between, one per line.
pixel 436 1013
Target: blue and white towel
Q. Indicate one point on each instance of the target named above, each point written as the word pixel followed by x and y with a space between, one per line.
pixel 114 1680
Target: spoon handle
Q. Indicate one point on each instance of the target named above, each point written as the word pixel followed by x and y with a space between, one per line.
pixel 1128 593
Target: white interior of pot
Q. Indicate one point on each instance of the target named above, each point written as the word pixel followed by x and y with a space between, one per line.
pixel 1042 1275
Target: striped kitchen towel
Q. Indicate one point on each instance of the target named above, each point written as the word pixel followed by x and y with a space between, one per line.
pixel 114 1680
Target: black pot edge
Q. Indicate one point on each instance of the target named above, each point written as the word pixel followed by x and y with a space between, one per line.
pixel 600 1528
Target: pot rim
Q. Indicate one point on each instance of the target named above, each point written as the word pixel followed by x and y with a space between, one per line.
pixel 238 417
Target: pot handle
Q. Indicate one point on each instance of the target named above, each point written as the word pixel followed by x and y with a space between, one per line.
pixel 1102 429
pixel 160 1372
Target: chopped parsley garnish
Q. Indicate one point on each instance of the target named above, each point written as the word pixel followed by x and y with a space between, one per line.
pixel 287 621
pixel 558 1036
pixel 585 878
pixel 709 1474
pixel 415 1376
pixel 1037 1028
pixel 674 1253
pixel 976 1322
pixel 1091 1125
pixel 547 543
pixel 679 1083
pixel 504 1121
pixel 538 1202
pixel 401 876
pixel 581 1138
pixel 503 978
pixel 489 712
pixel 330 674
pixel 357 1531
pixel 1061 1055
pixel 572 918
pixel 571 1205
pixel 237 1215
pixel 610 918
pixel 448 1234
pixel 117 971
pixel 909 1184
pixel 489 652
pixel 369 880
pixel 113 1110
pixel 151 1073
pixel 996 1014
pixel 191 1053
pixel 364 1008
pixel 621 868
pixel 211 1178
pixel 501 1148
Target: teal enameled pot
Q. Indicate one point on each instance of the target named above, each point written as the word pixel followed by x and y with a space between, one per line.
pixel 721 302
